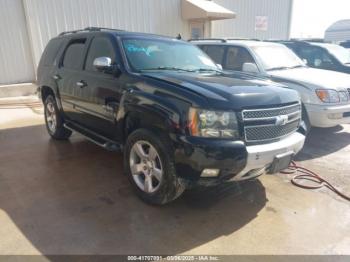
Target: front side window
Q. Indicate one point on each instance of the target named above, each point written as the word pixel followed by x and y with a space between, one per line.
pixel 151 54
pixel 100 47
pixel 276 57
pixel 237 57
pixel 73 56
pixel 216 53
pixel 315 56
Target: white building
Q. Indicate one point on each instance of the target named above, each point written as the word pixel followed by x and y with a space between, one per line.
pixel 27 25
pixel 338 32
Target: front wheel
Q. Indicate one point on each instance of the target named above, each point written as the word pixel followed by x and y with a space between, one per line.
pixel 150 167
pixel 54 120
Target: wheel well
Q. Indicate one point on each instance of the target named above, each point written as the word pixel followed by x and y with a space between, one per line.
pixel 45 92
pixel 133 121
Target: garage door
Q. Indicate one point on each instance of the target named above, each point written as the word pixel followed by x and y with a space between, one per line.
pixel 16 64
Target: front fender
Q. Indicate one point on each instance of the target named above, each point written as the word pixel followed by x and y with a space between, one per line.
pixel 154 111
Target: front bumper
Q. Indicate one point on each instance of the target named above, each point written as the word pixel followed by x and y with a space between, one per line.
pixel 328 115
pixel 234 159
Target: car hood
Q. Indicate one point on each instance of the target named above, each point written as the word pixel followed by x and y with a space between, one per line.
pixel 314 78
pixel 235 91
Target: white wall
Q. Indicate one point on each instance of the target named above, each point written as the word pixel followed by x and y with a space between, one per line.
pixel 278 13
pixel 47 18
pixel 16 64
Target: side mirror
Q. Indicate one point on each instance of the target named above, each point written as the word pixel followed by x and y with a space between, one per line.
pixel 103 64
pixel 250 68
pixel 219 66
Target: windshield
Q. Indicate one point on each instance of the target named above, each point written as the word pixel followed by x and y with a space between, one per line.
pixel 277 57
pixel 157 54
pixel 341 53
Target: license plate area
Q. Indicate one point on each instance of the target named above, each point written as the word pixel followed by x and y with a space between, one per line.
pixel 281 162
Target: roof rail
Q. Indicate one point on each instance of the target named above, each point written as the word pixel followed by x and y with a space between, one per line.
pixel 243 38
pixel 89 29
pixel 223 40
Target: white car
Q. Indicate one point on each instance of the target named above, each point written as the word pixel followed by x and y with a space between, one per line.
pixel 325 94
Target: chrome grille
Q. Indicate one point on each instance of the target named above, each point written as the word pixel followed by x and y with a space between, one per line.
pixel 265 124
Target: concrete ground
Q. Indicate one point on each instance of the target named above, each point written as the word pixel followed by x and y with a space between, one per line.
pixel 72 198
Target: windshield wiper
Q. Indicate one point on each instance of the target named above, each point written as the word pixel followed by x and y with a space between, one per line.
pixel 166 68
pixel 297 66
pixel 207 70
pixel 278 68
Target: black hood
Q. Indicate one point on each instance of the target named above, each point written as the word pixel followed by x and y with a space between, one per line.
pixel 235 91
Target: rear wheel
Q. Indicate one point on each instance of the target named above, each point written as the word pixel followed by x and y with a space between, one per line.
pixel 54 120
pixel 150 167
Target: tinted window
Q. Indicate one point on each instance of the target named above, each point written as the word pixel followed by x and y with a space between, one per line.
pixel 51 51
pixel 100 47
pixel 216 53
pixel 315 56
pixel 236 57
pixel 74 55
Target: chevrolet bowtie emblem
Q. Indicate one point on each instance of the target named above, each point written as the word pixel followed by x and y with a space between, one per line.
pixel 281 120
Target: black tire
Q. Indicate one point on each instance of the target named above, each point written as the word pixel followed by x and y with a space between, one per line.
pixel 57 132
pixel 170 186
pixel 306 120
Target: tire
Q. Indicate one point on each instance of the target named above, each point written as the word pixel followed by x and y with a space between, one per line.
pixel 54 120
pixel 305 118
pixel 149 165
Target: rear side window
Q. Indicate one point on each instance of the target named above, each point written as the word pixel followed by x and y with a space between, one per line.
pixel 215 52
pixel 51 51
pixel 236 57
pixel 100 47
pixel 73 56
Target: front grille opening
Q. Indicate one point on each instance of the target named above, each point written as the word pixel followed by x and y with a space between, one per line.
pixel 261 125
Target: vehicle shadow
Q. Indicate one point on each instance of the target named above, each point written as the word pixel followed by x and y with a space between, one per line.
pixel 324 141
pixel 72 198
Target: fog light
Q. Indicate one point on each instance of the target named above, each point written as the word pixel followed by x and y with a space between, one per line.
pixel 210 173
pixel 335 116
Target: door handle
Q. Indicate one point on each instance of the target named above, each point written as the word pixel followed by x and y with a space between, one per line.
pixel 56 77
pixel 81 84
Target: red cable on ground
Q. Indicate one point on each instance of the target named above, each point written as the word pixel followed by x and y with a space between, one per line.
pixel 306 174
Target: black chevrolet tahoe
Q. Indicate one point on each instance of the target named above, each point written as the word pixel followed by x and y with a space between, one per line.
pixel 179 120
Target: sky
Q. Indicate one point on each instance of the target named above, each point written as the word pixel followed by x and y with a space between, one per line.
pixel 311 18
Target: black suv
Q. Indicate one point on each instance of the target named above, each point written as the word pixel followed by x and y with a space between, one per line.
pixel 179 120
pixel 321 55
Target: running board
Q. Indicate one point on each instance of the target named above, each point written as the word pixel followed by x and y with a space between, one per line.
pixel 94 137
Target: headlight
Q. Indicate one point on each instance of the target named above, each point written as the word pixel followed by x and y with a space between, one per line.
pixel 206 123
pixel 328 95
pixel 344 97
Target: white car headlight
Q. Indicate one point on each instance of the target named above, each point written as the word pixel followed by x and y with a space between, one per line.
pixel 215 124
pixel 344 96
pixel 328 95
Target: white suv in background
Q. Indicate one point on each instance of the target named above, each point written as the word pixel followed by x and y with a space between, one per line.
pixel 325 94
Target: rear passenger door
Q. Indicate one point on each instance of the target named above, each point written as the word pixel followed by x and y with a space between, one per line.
pixel 100 97
pixel 68 76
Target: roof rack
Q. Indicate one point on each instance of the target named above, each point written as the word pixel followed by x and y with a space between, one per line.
pixel 224 40
pixel 89 29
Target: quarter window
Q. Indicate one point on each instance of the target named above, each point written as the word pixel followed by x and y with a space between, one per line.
pixel 100 47
pixel 74 55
